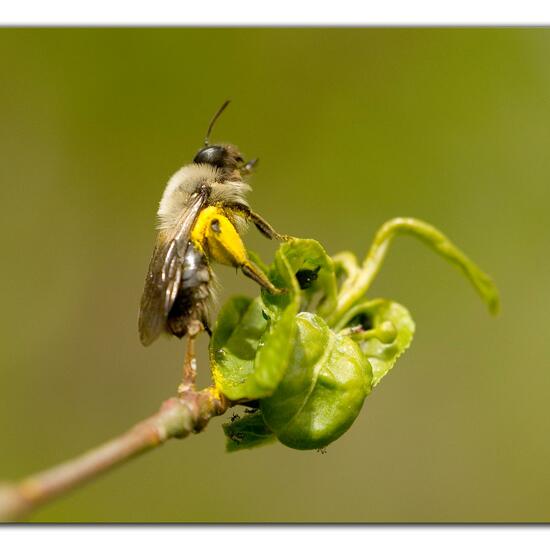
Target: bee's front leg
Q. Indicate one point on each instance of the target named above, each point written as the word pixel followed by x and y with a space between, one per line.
pixel 263 227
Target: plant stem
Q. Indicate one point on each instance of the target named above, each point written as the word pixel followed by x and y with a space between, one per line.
pixel 177 418
pixel 357 285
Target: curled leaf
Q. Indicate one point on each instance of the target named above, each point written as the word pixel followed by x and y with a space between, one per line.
pixel 249 351
pixel 251 343
pixel 323 389
pixel 282 276
pixel 304 268
pixel 383 329
pixel 307 256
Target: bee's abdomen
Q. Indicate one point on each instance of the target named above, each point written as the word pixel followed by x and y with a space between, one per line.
pixel 190 308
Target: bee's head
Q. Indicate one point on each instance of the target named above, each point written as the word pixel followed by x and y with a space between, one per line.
pixel 225 157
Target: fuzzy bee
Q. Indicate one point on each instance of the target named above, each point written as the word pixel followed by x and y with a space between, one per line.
pixel 202 212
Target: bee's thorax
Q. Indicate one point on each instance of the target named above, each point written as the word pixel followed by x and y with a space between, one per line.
pixel 198 179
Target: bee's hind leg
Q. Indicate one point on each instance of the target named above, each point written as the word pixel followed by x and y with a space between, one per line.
pixel 263 227
pixel 190 360
pixel 254 273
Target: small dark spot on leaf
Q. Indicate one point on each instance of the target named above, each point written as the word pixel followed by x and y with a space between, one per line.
pixel 234 417
pixel 306 277
pixel 322 450
pixel 265 315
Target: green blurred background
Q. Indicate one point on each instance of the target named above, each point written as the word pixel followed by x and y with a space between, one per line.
pixel 352 126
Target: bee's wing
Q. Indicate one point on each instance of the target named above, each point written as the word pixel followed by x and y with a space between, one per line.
pixel 165 270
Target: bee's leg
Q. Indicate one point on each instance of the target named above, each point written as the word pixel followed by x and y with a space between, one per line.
pixel 249 167
pixel 263 227
pixel 190 361
pixel 252 271
pixel 226 247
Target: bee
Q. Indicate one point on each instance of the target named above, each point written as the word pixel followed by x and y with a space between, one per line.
pixel 201 215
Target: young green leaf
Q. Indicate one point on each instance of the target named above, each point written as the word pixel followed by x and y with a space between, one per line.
pixel 323 389
pixel 282 276
pixel 249 352
pixel 303 267
pixel 251 343
pixel 383 330
pixel 247 432
pixel 314 270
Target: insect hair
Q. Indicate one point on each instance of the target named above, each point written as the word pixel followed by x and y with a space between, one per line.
pixel 188 180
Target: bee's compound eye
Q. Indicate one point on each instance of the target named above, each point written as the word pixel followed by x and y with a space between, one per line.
pixel 214 155
pixel 215 225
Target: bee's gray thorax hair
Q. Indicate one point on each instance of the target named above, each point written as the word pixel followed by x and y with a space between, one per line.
pixel 187 181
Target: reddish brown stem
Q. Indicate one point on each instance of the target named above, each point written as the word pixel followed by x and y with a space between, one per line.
pixel 178 417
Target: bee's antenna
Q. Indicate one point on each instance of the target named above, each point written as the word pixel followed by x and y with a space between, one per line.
pixel 213 121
